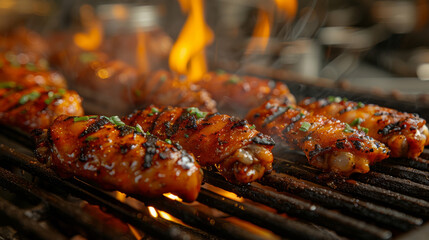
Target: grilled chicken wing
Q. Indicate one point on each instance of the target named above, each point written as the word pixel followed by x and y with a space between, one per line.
pixel 118 157
pixel 405 134
pixel 28 71
pixel 163 88
pixel 328 143
pixel 239 152
pixel 242 93
pixel 35 107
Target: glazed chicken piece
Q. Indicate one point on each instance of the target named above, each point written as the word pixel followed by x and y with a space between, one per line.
pixel 36 107
pixel 405 134
pixel 163 88
pixel 239 152
pixel 27 70
pixel 117 157
pixel 239 94
pixel 23 40
pixel 329 144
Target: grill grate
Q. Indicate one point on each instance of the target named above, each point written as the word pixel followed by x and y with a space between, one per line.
pixel 294 201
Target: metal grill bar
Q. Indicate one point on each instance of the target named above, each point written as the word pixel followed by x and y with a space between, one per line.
pixel 274 222
pixel 139 219
pixel 409 173
pixel 340 223
pixel 405 203
pixel 332 199
pixel 418 163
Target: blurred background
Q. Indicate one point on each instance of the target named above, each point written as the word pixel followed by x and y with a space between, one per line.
pixel 381 47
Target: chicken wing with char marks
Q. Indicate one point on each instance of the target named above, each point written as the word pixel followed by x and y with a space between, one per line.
pixel 328 143
pixel 36 107
pixel 240 153
pixel 118 157
pixel 405 134
pixel 239 94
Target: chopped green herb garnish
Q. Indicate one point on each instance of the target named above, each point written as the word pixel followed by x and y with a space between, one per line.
pixel 116 120
pixel 91 138
pixel 52 96
pixel 356 122
pixel 234 79
pixel 7 85
pixel 364 129
pixel 148 133
pixel 348 129
pixel 333 99
pixel 168 141
pixel 139 128
pixel 360 105
pixel 29 97
pixel 220 72
pixel 154 110
pixel 31 67
pixel 301 114
pixel 87 57
pixel 83 118
pixel 195 111
pixel 305 126
pixel 252 127
pixel 186 135
pixel 150 115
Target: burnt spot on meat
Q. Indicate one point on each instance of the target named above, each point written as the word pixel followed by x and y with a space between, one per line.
pixel 240 123
pixel 393 127
pixel 339 144
pixel 178 146
pixel 263 140
pixel 357 144
pixel 347 109
pixel 94 127
pixel 125 130
pixel 221 142
pixel 124 148
pixel 192 123
pixel 256 115
pixel 275 115
pixel 155 121
pixel 288 128
pixel 150 146
pixel 212 115
pixel 318 150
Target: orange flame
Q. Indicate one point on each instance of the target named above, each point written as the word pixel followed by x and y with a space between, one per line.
pixel 262 30
pixel 187 55
pixel 92 37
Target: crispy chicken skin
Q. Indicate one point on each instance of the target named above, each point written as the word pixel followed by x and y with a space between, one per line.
pixel 239 152
pixel 164 88
pixel 117 157
pixel 36 107
pixel 405 134
pixel 327 143
pixel 27 71
pixel 242 93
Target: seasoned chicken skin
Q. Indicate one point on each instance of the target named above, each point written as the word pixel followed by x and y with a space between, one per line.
pixel 36 107
pixel 328 143
pixel 242 93
pixel 239 152
pixel 405 134
pixel 118 157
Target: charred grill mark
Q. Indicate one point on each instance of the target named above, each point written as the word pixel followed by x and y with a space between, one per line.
pixel 263 140
pixel 275 115
pixel 340 144
pixel 192 124
pixel 357 145
pixel 176 124
pixel 393 127
pixel 212 115
pixel 155 121
pixel 94 127
pixel 240 123
pixel 318 150
pixel 124 130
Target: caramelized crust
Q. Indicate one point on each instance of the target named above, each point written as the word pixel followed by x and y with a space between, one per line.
pixel 239 152
pixel 163 88
pixel 326 142
pixel 405 134
pixel 36 107
pixel 118 158
pixel 241 93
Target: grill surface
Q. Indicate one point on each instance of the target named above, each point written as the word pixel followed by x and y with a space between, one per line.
pixel 295 201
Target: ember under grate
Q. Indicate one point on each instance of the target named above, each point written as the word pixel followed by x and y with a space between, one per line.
pixel 292 202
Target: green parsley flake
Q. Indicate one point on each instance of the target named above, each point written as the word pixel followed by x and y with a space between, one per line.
pixel 116 120
pixel 168 141
pixel 195 111
pixel 305 126
pixel 356 122
pixel 234 79
pixel 52 96
pixel 186 135
pixel 154 110
pixel 348 129
pixel 91 138
pixel 252 127
pixel 29 97
pixel 83 118
pixel 139 128
pixel 333 99
pixel 7 85
pixel 360 105
pixel 363 129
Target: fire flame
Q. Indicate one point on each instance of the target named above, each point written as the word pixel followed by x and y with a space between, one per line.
pixel 153 212
pixel 120 196
pixel 188 55
pixel 262 30
pixel 92 37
